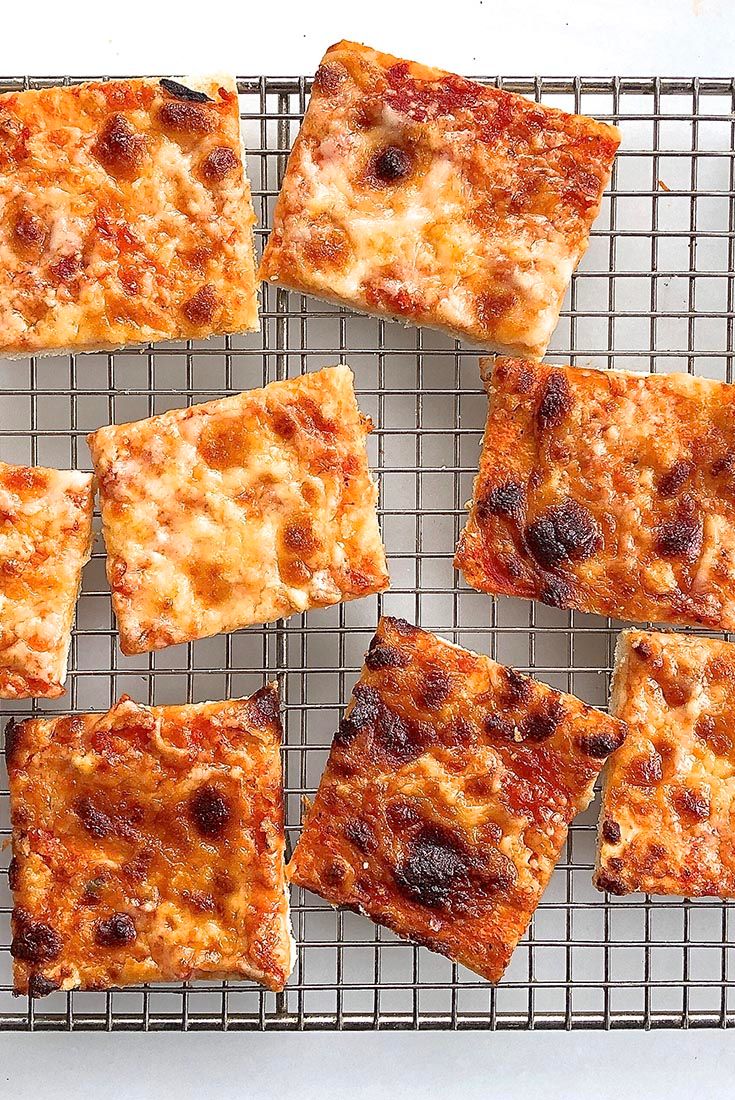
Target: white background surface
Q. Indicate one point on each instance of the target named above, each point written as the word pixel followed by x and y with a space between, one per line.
pixel 584 37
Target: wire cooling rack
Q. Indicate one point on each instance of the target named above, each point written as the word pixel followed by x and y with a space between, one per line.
pixel 656 291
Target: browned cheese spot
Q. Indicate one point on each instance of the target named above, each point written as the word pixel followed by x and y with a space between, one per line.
pixel 201 308
pixel 602 743
pixel 36 942
pixel 219 163
pixel 380 656
pixel 117 930
pixel 555 402
pixel 183 118
pixel 562 533
pixel 691 805
pixel 120 149
pixel 30 234
pixel 210 811
pixel 505 500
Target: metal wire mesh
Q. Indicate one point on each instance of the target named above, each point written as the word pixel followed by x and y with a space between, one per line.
pixel 656 292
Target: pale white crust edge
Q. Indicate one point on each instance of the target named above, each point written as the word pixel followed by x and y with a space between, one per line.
pixel 513 350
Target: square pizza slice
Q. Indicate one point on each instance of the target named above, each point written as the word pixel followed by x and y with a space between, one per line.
pixel 606 491
pixel 45 540
pixel 668 805
pixel 415 194
pixel 447 796
pixel 240 511
pixel 125 216
pixel 148 845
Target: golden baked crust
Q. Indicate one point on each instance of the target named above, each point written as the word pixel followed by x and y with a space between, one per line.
pixel 45 540
pixel 668 805
pixel 447 796
pixel 125 216
pixel 416 194
pixel 606 491
pixel 239 511
pixel 148 846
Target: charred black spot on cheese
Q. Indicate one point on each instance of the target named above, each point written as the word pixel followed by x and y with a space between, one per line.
pixel 605 881
pixel 556 401
pixel 219 163
pixel 434 864
pixel 517 688
pixel 399 739
pixel 611 831
pixel 438 871
pixel 504 500
pixel 390 165
pixel 564 532
pixel 360 833
pixel 117 930
pixel 675 477
pixel 544 723
pixel 263 707
pixel 12 740
pixel 380 656
pixel 210 811
pixel 13 874
pixel 36 942
pixel 366 706
pixel 434 688
pixel 601 744
pixel 180 91
pixel 120 149
pixel 680 537
pixel 40 986
pixel 94 821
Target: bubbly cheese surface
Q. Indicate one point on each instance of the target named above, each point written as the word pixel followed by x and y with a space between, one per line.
pixel 668 804
pixel 447 796
pixel 125 216
pixel 415 193
pixel 45 540
pixel 148 846
pixel 239 511
pixel 607 491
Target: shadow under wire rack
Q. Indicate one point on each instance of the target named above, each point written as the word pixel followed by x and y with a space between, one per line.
pixel 655 292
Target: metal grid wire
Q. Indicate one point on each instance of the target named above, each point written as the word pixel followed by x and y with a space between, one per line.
pixel 656 292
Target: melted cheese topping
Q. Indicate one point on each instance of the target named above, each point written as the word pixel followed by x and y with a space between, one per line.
pixel 417 194
pixel 125 217
pixel 148 846
pixel 606 491
pixel 669 794
pixel 239 511
pixel 45 539
pixel 447 796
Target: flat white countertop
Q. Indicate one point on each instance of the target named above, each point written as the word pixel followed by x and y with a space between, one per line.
pixel 549 37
